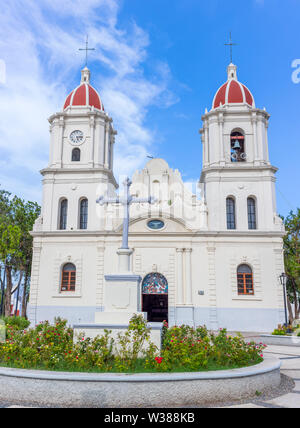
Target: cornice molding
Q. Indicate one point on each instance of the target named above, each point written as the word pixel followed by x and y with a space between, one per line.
pixel 200 233
pixel 65 171
pixel 230 110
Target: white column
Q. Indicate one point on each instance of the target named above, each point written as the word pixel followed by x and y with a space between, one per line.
pixel 203 146
pixel 206 144
pixel 188 277
pixel 106 160
pixel 255 142
pixel 112 153
pixel 60 141
pixel 179 276
pixel 221 137
pixel 260 139
pixel 267 142
pixel 92 140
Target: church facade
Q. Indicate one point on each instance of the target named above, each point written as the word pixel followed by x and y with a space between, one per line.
pixel 214 259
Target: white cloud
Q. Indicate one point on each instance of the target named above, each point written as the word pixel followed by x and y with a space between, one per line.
pixel 39 43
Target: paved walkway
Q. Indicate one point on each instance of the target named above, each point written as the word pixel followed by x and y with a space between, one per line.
pixel 290 360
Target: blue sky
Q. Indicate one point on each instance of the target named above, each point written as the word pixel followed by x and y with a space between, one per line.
pixel 157 66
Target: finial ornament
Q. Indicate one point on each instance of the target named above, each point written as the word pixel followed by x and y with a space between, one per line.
pixel 85 75
pixel 232 72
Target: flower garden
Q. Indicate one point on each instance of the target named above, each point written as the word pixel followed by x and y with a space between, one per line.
pixel 184 349
pixel 289 330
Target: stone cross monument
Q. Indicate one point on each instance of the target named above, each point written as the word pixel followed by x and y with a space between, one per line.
pixel 122 289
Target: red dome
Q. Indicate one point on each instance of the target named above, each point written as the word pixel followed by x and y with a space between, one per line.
pixel 233 92
pixel 84 96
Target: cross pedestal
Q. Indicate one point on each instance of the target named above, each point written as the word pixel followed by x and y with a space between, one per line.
pixel 122 290
pixel 124 263
pixel 121 302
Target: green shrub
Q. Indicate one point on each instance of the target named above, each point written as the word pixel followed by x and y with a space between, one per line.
pixel 184 349
pixel 279 332
pixel 283 330
pixel 18 323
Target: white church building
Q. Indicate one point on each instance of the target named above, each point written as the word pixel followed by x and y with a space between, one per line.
pixel 211 258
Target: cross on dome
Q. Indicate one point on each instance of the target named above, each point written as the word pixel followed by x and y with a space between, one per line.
pixel 231 45
pixel 87 49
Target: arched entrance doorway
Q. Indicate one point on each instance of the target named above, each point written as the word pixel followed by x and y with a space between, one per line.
pixel 155 297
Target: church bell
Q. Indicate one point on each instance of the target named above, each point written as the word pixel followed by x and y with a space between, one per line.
pixel 237 145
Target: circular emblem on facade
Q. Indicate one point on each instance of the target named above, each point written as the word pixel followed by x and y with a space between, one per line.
pixel 156 224
pixel 77 137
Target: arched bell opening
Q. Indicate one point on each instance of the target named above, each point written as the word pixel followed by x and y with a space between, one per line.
pixel 155 297
pixel 237 147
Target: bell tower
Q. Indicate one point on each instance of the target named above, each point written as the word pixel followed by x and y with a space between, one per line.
pixel 238 179
pixel 82 141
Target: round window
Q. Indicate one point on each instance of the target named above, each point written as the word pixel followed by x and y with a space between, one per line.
pixel 156 224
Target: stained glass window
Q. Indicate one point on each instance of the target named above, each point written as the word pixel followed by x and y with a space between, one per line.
pixel 155 283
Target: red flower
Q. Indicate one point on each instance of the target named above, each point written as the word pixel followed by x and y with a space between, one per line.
pixel 159 360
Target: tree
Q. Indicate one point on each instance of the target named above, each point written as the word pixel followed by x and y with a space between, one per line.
pixel 292 262
pixel 17 218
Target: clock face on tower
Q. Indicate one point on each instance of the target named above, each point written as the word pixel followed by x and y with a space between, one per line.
pixel 77 137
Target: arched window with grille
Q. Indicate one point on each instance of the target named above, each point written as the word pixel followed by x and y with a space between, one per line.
pixel 251 214
pixel 230 212
pixel 76 155
pixel 63 214
pixel 83 214
pixel 245 280
pixel 68 277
